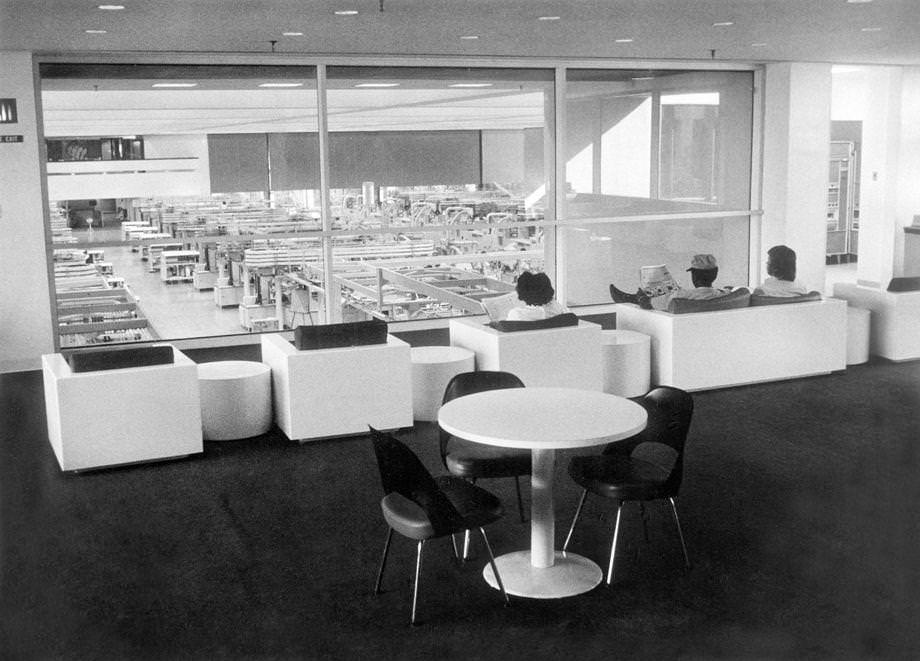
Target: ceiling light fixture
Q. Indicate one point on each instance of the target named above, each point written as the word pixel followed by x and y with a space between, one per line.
pixel 292 34
pixel 623 41
pixel 377 85
pixel 110 7
pixel 871 30
pixel 723 24
pixel 280 84
pixel 96 31
pixel 175 85
pixel 470 37
pixel 858 2
pixel 759 44
pixel 470 85
pixel 643 77
pixel 548 18
pixel 346 12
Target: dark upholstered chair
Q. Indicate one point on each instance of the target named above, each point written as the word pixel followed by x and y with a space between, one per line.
pixel 623 473
pixel 474 460
pixel 422 507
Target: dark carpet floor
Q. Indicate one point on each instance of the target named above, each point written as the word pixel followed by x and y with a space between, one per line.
pixel 799 506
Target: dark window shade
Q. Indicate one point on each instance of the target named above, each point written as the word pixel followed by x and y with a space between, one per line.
pixel 405 158
pixel 294 160
pixel 238 162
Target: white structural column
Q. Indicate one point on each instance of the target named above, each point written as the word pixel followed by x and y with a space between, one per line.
pixel 25 306
pixel 795 155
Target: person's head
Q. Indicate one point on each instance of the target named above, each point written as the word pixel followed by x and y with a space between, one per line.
pixel 703 270
pixel 534 288
pixel 781 263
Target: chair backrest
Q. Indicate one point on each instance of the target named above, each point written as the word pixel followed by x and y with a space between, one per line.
pixel 402 472
pixel 670 411
pixel 468 383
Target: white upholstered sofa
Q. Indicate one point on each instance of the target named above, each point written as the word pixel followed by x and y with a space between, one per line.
pixel 705 350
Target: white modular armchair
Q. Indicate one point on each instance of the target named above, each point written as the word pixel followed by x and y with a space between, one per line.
pixel 319 393
pixel 894 322
pixel 108 417
pixel 568 356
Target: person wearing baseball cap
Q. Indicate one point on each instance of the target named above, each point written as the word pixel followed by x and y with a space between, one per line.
pixel 703 271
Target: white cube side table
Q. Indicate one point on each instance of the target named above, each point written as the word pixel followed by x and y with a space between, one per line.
pixel 432 368
pixel 627 359
pixel 236 399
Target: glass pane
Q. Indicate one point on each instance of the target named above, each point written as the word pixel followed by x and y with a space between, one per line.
pixel 642 142
pixel 184 199
pixel 643 146
pixel 456 160
pixel 613 252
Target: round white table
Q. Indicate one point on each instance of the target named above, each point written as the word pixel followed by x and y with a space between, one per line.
pixel 236 399
pixel 543 420
pixel 432 369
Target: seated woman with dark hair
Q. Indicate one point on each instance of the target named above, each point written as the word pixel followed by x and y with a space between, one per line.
pixel 781 269
pixel 536 292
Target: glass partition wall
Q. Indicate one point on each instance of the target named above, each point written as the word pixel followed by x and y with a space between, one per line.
pixel 195 201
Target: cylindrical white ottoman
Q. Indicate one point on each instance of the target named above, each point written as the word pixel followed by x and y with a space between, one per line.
pixel 236 399
pixel 432 369
pixel 858 322
pixel 627 360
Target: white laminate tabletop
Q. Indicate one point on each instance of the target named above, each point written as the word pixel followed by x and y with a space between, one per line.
pixel 542 418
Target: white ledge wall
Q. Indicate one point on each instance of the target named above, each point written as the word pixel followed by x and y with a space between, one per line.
pixel 25 304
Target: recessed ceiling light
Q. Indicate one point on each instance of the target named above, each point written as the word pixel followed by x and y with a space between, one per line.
pixel 548 18
pixel 346 12
pixel 96 31
pixel 280 84
pixel 759 44
pixel 175 84
pixel 470 85
pixel 643 78
pixel 111 7
pixel 623 41
pixel 723 24
pixel 470 37
pixel 377 85
pixel 871 30
pixel 858 2
pixel 292 34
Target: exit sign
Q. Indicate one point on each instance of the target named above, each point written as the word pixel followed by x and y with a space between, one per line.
pixel 10 138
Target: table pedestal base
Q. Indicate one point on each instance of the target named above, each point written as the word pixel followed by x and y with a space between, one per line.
pixel 570 575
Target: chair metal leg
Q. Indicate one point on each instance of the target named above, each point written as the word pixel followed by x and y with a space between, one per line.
pixel 383 562
pixel 498 578
pixel 644 516
pixel 680 532
pixel 418 570
pixel 466 546
pixel 613 546
pixel 453 540
pixel 517 487
pixel 581 503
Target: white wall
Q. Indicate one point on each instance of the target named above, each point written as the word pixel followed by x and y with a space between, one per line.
pixel 25 304
pixel 502 156
pixel 797 124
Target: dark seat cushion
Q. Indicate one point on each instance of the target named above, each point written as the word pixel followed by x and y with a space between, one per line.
pixel 620 477
pixel 92 360
pixel 904 284
pixel 350 334
pixel 760 299
pixel 737 298
pixel 476 506
pixel 559 321
pixel 474 460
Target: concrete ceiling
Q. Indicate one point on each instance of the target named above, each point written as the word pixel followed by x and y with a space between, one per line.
pixel 837 31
